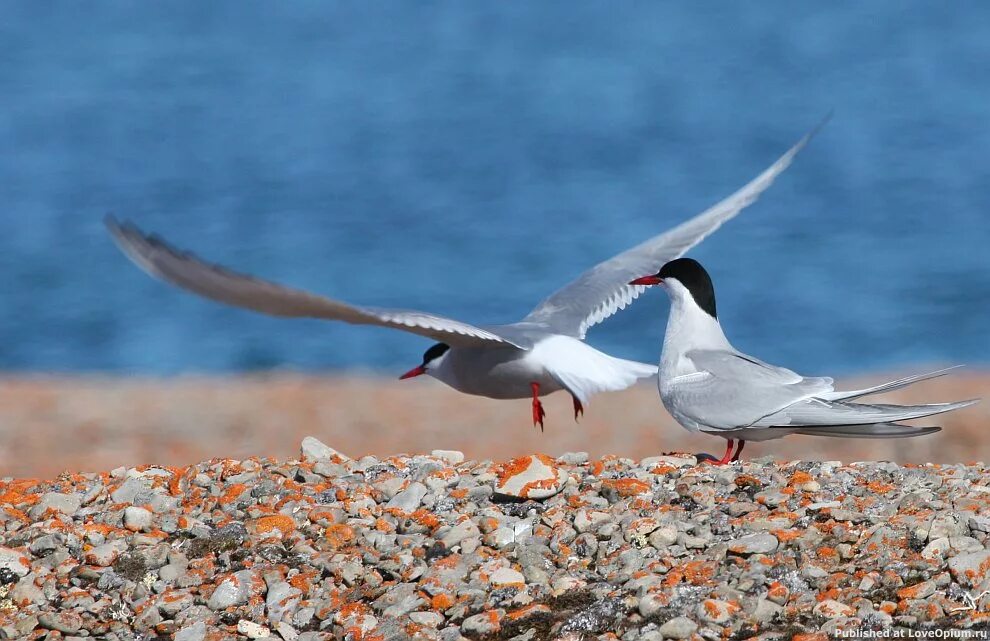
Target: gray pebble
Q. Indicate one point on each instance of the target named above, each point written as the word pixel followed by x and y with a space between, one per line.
pixel 313 450
pixel 408 499
pixel 971 569
pixel 234 590
pixel 67 504
pixel 137 519
pixel 760 543
pixel 451 456
pixel 678 628
pixel 67 622
pixel 194 632
pixel 483 624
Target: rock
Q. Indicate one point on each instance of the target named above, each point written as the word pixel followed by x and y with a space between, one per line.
pixel 947 525
pixel 963 544
pixel 137 519
pixel 282 601
pixel 45 544
pixel 678 628
pixel 426 619
pixel 67 622
pixel 715 611
pixel 451 456
pixel 67 504
pixel 26 592
pixel 663 537
pixel 831 609
pixel 252 630
pixel 464 530
pixel 408 499
pixel 766 611
pixel 286 631
pixel 917 591
pixel 134 490
pixel 759 543
pixel 194 632
pixel 650 603
pixel 484 624
pixel 590 520
pixel 979 524
pixel 399 601
pixel 13 561
pixel 506 576
pixel 234 590
pixel 678 461
pixel 312 450
pixel 969 570
pixel 105 555
pixel 937 549
pixel 529 477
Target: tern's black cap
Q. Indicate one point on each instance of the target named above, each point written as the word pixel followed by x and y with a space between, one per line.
pixel 693 276
pixel 436 351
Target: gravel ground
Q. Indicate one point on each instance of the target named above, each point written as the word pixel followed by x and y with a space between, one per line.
pixel 436 547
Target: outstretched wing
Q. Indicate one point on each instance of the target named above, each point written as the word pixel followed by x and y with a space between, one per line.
pixel 223 285
pixel 604 289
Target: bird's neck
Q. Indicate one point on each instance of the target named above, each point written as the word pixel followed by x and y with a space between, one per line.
pixel 690 327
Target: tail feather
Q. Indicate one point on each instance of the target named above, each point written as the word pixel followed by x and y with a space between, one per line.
pixel 816 412
pixel 887 387
pixel 873 430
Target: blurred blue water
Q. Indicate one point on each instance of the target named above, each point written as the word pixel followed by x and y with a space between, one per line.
pixel 469 158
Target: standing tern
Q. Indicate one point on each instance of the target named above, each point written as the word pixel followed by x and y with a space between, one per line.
pixel 709 386
pixel 538 355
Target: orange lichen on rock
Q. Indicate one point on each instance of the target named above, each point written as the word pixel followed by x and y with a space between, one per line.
pixel 787 535
pixel 527 611
pixel 232 493
pixel 693 572
pixel 266 524
pixel 339 535
pixel 627 487
pixel 425 518
pixel 663 470
pixel 442 601
pixel 880 487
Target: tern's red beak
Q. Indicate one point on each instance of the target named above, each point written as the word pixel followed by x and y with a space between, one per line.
pixel 416 371
pixel 646 280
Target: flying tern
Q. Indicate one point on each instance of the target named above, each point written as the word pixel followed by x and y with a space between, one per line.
pixel 709 386
pixel 543 353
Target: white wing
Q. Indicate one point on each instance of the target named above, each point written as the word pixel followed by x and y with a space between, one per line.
pixel 743 392
pixel 739 390
pixel 604 289
pixel 220 284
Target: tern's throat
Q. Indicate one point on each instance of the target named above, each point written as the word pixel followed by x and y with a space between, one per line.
pixel 690 327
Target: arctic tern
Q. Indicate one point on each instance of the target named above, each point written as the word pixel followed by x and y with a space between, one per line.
pixel 709 386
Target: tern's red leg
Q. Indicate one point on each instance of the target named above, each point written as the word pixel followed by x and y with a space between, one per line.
pixel 578 408
pixel 538 412
pixel 725 457
pixel 738 451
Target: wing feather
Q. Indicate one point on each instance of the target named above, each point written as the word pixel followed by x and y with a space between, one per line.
pixel 218 283
pixel 740 390
pixel 604 289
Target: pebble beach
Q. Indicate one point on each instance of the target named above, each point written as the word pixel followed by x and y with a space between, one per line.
pixel 436 547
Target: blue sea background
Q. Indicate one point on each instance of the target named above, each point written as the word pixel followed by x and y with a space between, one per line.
pixel 468 158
